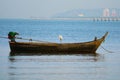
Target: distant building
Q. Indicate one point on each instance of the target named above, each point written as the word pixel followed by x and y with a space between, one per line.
pixel 106 12
pixel 81 15
pixel 113 14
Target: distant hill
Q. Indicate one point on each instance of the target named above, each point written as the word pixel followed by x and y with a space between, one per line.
pixel 86 13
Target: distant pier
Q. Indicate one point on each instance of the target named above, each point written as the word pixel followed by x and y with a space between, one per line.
pixel 100 18
pixel 92 18
pixel 84 18
pixel 106 19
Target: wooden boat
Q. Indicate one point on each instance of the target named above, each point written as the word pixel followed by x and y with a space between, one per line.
pixel 55 48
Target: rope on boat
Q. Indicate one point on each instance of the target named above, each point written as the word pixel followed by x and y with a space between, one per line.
pixel 4 37
pixel 25 39
pixel 31 39
pixel 107 50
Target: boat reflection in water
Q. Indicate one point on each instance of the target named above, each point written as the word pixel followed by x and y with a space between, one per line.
pixel 66 56
pixel 64 67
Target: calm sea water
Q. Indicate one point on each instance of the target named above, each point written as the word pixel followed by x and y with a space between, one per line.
pixel 103 66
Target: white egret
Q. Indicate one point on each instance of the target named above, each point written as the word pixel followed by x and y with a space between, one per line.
pixel 60 38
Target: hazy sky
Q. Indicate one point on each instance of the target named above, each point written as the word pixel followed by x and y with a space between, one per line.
pixel 48 8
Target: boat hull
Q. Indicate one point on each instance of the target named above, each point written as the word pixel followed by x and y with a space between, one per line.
pixel 55 48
